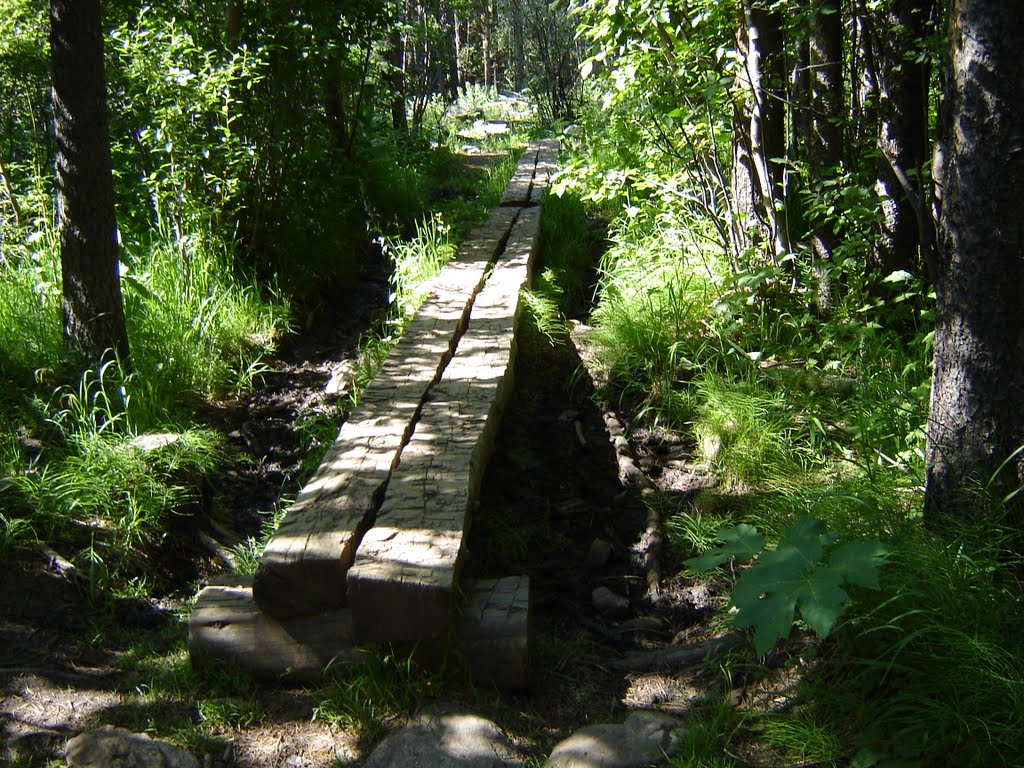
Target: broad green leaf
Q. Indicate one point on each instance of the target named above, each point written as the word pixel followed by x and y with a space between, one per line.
pixel 772 615
pixel 741 541
pixel 821 600
pixel 857 562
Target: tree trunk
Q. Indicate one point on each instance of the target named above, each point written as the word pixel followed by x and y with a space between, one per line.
pixel 486 22
pixel 93 311
pixel 906 230
pixel 233 14
pixel 759 138
pixel 518 46
pixel 825 141
pixel 977 418
pixel 396 79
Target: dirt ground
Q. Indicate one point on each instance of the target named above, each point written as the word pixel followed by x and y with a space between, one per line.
pixel 552 506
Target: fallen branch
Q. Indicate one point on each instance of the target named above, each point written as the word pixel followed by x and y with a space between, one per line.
pixel 673 657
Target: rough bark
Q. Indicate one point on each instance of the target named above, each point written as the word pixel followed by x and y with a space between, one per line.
pixel 906 231
pixel 233 15
pixel 976 419
pixel 825 141
pixel 396 79
pixel 93 310
pixel 759 130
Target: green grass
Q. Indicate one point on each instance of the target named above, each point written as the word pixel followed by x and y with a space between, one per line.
pixel 379 688
pixel 931 670
pixel 747 433
pixel 169 697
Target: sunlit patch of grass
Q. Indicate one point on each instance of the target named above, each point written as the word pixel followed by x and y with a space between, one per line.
pixel 747 433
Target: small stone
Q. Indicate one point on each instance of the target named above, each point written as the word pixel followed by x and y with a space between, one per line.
pixel 600 552
pixel 341 378
pixel 151 442
pixel 645 738
pixel 606 601
pixel 446 740
pixel 108 747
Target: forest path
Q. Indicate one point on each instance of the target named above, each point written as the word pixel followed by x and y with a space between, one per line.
pixel 373 547
pixel 551 507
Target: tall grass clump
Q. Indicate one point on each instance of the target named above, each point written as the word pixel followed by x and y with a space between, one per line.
pixel 930 670
pixel 650 333
pixel 569 240
pixel 30 314
pixel 378 687
pixel 103 488
pixel 747 432
pixel 195 324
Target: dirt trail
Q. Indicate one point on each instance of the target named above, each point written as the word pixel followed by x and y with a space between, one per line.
pixel 552 506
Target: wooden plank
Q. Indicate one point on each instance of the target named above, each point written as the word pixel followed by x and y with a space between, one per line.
pixel 401 585
pixel 303 568
pixel 518 190
pixel 227 626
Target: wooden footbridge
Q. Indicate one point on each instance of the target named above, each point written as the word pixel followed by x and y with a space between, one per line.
pixel 371 551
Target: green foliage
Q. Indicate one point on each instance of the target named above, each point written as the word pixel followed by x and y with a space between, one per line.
pixel 650 332
pixel 194 325
pixel 929 670
pixel 747 432
pixel 705 741
pixel 802 738
pixel 377 688
pixel 542 305
pixel 30 315
pixel 805 572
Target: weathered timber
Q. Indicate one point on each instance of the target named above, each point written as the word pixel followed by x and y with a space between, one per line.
pixel 547 162
pixel 371 549
pixel 517 193
pixel 226 625
pixel 401 586
pixel 494 629
pixel 303 568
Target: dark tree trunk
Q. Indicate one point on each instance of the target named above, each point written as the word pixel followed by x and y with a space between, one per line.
pixel 759 138
pixel 233 15
pixel 906 230
pixel 93 310
pixel 977 411
pixel 486 28
pixel 518 46
pixel 396 79
pixel 825 77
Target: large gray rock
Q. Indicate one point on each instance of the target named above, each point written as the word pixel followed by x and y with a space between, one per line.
pixel 110 747
pixel 643 739
pixel 446 740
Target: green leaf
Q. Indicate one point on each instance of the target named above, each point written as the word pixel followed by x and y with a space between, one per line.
pixel 857 562
pixel 771 614
pixel 794 578
pixel 821 600
pixel 741 541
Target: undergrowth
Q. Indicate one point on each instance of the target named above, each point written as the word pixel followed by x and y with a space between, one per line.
pixel 906 643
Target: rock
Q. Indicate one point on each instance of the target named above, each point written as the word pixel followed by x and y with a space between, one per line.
pixel 446 740
pixel 110 747
pixel 606 601
pixel 154 440
pixel 342 376
pixel 645 738
pixel 600 552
